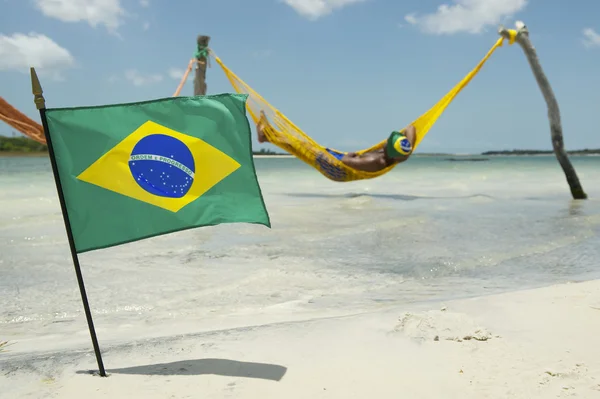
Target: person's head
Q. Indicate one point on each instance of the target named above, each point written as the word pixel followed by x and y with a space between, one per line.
pixel 398 147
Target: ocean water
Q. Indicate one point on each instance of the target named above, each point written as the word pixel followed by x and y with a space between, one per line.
pixel 431 229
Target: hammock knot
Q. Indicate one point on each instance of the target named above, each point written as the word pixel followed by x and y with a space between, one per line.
pixel 201 51
pixel 512 36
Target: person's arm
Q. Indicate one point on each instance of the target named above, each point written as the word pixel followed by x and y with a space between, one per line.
pixel 411 134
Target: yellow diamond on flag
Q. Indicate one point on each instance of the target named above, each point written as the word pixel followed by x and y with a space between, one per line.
pixel 160 166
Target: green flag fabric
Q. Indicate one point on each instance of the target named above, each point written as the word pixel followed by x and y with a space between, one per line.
pixel 138 170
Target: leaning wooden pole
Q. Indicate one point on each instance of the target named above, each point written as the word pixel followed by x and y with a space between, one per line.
pixel 556 133
pixel 201 64
pixel 184 78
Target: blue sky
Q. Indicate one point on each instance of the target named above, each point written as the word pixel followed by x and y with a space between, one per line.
pixel 346 71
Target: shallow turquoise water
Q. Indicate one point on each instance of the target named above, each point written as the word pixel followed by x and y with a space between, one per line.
pixel 430 229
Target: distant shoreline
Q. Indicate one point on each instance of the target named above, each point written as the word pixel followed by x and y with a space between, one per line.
pixel 272 156
pixel 17 154
pixel 26 147
pixel 11 154
pixel 515 153
pixel 542 152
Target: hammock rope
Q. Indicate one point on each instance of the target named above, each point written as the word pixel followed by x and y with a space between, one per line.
pixel 283 133
pixel 21 122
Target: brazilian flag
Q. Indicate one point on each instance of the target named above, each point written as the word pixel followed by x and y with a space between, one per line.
pixel 138 170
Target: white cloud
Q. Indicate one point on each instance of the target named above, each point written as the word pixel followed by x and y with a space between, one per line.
pixel 146 26
pixel 591 38
pixel 19 52
pixel 139 79
pixel 144 3
pixel 314 9
pixel 177 74
pixel 471 16
pixel 95 12
pixel 411 19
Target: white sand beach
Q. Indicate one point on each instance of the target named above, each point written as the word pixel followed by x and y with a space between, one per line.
pixel 314 307
pixel 540 343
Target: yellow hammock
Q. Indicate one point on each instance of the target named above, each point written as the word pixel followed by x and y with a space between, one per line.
pixel 286 135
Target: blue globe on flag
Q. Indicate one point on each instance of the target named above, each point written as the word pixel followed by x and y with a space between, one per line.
pixel 162 165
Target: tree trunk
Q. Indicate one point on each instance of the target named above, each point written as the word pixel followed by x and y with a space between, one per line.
pixel 522 38
pixel 202 59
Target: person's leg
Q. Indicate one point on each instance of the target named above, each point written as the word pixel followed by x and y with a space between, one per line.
pixel 280 140
pixel 262 138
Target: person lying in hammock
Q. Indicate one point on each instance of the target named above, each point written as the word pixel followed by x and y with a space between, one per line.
pixel 398 149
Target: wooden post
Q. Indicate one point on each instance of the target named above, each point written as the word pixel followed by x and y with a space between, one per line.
pixel 201 58
pixel 556 133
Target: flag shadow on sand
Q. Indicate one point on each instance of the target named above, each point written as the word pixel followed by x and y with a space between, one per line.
pixel 222 367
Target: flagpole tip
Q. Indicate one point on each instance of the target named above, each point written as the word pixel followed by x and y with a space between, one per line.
pixel 36 90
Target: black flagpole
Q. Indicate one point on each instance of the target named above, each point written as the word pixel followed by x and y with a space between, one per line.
pixel 40 104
